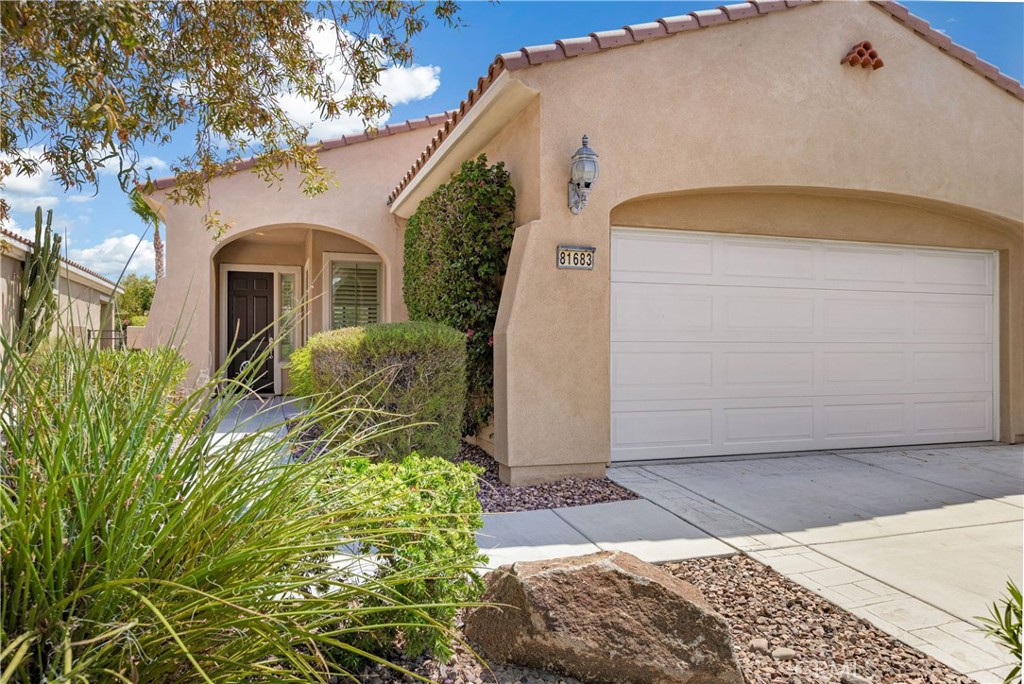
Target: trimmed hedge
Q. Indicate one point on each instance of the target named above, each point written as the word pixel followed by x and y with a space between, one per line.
pixel 457 245
pixel 428 555
pixel 413 376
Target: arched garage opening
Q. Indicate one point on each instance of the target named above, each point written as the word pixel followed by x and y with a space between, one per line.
pixel 781 319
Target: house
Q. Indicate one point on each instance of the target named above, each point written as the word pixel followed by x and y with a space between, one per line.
pixel 807 233
pixel 85 299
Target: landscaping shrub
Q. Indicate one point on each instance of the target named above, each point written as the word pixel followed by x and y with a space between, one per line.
pixel 429 552
pixel 138 320
pixel 457 246
pixel 139 545
pixel 412 375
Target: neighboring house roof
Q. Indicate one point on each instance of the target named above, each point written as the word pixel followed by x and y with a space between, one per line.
pixel 662 28
pixel 430 120
pixel 28 245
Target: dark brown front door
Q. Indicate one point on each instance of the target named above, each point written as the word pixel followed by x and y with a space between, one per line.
pixel 250 315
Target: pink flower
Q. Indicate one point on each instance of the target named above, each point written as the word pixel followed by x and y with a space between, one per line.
pixel 490 341
pixel 469 333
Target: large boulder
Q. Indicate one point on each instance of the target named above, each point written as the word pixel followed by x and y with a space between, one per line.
pixel 605 617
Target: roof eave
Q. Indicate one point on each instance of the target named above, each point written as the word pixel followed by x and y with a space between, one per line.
pixel 506 97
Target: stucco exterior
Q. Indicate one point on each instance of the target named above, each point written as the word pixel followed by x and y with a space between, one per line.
pixel 750 127
pixel 278 226
pixel 85 300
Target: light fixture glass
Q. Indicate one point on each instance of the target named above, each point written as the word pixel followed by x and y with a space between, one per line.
pixel 583 174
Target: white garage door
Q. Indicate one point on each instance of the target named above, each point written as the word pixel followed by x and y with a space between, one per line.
pixel 738 345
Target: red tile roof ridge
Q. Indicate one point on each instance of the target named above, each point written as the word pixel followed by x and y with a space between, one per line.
pixel 599 41
pixel 430 120
pixel 30 244
pixel 946 44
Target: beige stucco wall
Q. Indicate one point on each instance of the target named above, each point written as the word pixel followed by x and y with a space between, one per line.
pixel 184 310
pixel 923 151
pixel 10 294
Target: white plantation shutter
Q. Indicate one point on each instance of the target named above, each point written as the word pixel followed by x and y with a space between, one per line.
pixel 355 293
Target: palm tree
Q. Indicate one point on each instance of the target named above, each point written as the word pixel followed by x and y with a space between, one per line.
pixel 138 205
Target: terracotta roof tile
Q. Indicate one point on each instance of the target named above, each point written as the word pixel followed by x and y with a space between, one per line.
pixel 943 42
pixel 766 6
pixel 648 31
pixel 573 47
pixel 25 242
pixel 863 55
pixel 613 39
pixel 710 17
pixel 539 54
pixel 743 10
pixel 514 60
pixel 679 24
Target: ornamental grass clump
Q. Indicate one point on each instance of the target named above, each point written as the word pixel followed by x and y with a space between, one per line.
pixel 142 544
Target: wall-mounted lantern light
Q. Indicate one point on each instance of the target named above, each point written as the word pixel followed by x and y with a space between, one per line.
pixel 582 177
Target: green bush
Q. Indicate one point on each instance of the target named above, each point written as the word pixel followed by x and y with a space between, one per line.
pixel 138 320
pixel 411 375
pixel 139 545
pixel 457 246
pixel 430 550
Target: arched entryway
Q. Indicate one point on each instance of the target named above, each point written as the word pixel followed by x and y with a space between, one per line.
pixel 278 285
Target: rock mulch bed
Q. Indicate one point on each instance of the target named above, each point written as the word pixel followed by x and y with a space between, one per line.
pixel 809 640
pixel 498 497
pixel 826 644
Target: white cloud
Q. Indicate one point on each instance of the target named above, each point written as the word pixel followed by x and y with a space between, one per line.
pixel 398 84
pixel 110 256
pixel 80 199
pixel 26 192
pixel 29 202
pixel 154 163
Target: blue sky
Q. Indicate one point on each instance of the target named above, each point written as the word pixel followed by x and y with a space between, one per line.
pixel 101 231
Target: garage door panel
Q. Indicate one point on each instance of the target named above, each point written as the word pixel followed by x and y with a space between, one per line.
pixel 696 428
pixel 664 312
pixel 792 345
pixel 662 256
pixel 660 371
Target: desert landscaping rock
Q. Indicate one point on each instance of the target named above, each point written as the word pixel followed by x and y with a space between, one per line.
pixel 760 645
pixel 834 645
pixel 605 617
pixel 783 653
pixel 497 497
pixel 853 678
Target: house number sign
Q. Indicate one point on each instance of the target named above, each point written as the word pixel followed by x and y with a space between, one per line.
pixel 576 257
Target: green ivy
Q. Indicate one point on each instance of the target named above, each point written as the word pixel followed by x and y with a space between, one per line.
pixel 457 245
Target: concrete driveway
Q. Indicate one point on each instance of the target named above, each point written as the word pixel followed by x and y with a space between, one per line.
pixel 917 541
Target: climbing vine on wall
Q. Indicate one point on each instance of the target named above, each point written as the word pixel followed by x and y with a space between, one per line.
pixel 456 250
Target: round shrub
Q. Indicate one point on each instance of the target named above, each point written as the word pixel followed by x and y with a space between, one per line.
pixel 413 374
pixel 457 245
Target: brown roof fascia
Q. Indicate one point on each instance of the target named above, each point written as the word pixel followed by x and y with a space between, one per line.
pixel 431 120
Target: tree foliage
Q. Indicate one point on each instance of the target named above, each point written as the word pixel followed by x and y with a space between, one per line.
pixel 86 84
pixel 137 203
pixel 457 245
pixel 136 297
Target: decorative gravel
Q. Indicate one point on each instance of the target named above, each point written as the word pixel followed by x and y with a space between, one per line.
pixel 498 497
pixel 829 645
pixel 759 603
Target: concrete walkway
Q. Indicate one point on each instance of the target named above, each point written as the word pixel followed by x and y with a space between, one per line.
pixel 918 541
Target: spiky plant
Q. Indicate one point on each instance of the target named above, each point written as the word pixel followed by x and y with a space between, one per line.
pixel 1004 625
pixel 38 306
pixel 141 544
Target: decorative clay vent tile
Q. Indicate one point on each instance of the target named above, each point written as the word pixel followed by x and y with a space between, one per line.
pixel 863 55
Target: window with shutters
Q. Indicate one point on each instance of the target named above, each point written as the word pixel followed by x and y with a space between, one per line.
pixel 354 295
